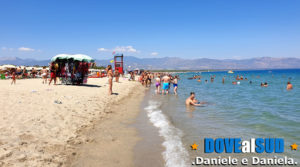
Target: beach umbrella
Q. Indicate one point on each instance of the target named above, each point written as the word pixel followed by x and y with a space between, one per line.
pixel 78 57
pixel 60 56
pixel 82 57
pixel 8 66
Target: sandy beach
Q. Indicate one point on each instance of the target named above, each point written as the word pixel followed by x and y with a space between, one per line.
pixel 43 125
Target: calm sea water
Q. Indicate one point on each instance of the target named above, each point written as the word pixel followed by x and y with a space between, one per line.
pixel 245 110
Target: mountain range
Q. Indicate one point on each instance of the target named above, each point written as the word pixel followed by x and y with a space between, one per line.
pixel 175 63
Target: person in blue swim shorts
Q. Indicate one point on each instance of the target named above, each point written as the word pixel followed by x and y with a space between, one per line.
pixel 166 81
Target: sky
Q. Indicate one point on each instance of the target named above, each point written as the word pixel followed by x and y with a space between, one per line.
pixel 219 29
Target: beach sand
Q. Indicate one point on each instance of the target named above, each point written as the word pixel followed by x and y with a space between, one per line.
pixel 43 125
pixel 113 139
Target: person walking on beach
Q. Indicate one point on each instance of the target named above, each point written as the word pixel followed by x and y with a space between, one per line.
pixel 52 73
pixel 33 72
pixel 289 86
pixel 18 72
pixel 110 78
pixel 25 73
pixel 191 100
pixel 117 75
pixel 166 81
pixel 44 75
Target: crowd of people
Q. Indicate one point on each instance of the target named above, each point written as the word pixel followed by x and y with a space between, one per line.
pixel 237 81
pixel 163 81
pixel 19 73
pixel 70 72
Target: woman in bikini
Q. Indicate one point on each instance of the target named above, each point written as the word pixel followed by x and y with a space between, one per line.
pixel 13 76
pixel 110 78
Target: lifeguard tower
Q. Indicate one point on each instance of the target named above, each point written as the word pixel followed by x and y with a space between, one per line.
pixel 118 59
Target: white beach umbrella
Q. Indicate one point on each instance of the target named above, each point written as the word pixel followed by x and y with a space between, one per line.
pixel 8 66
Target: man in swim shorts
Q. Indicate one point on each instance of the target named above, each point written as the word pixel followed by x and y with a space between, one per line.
pixel 165 86
pixel 192 100
pixel 175 84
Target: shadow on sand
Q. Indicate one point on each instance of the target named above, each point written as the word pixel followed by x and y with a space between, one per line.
pixel 85 85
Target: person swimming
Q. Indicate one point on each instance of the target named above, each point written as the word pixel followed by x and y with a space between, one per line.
pixel 289 86
pixel 266 84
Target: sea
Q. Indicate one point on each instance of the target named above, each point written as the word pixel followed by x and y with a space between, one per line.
pixel 245 110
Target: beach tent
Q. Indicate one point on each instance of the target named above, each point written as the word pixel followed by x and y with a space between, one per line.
pixel 78 57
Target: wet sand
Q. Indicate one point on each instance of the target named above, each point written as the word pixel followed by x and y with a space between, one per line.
pixel 148 150
pixel 113 139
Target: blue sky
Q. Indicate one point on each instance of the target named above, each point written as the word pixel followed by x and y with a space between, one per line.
pixel 218 29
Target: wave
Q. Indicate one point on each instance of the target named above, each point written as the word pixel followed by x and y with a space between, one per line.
pixel 175 154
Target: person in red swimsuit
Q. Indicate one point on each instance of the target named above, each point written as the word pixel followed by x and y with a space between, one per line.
pixel 13 77
pixel 52 73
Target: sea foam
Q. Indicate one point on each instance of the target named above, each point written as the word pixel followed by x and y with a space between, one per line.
pixel 175 154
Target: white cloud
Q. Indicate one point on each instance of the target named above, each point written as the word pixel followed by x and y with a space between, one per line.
pixel 3 48
pixel 102 50
pixel 123 49
pixel 26 49
pixel 154 54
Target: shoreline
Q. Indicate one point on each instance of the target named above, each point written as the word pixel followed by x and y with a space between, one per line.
pixel 41 125
pixel 112 138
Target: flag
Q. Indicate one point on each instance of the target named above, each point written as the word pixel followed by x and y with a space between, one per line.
pixel 111 61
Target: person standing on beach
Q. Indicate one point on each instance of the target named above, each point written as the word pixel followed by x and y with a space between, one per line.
pixel 110 78
pixel 18 72
pixel 13 77
pixel 289 86
pixel 25 73
pixel 44 75
pixel 117 75
pixel 166 81
pixel 33 72
pixel 52 73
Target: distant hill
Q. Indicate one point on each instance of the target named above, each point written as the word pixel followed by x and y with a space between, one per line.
pixel 175 63
pixel 27 62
